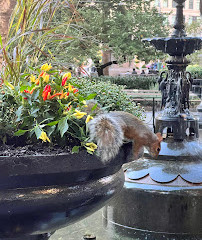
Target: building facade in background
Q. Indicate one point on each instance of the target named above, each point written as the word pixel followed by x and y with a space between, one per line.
pixel 191 14
pixel 191 10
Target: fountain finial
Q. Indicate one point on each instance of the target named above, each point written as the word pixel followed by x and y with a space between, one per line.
pixel 179 20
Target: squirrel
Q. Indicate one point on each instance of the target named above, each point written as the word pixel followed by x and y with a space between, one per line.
pixel 110 129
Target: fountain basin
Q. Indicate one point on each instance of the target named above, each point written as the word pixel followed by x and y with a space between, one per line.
pixel 39 194
pixel 161 199
pixel 175 46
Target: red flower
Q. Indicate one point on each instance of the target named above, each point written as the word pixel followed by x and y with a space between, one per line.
pixel 75 90
pixel 26 91
pixel 64 81
pixel 30 92
pixel 69 108
pixel 46 92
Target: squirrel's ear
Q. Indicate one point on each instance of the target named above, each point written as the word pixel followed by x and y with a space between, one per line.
pixel 160 138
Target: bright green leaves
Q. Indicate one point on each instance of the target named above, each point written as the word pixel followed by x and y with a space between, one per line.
pixel 20 132
pixel 63 126
pixel 75 149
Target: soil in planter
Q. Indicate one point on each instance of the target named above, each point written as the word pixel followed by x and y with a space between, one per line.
pixel 39 148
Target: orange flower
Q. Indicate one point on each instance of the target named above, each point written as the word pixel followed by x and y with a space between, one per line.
pixel 75 90
pixel 37 81
pixel 55 95
pixel 64 95
pixel 41 74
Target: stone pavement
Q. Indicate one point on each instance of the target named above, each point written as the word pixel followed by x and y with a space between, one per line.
pixel 94 223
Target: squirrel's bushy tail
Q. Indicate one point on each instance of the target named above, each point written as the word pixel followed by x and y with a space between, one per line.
pixel 107 132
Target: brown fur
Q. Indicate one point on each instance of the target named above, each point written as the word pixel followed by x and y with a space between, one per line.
pixel 141 135
pixel 109 130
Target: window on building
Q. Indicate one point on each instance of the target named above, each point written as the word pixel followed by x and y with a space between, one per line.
pixel 157 3
pixel 174 4
pixel 197 4
pixel 191 4
pixel 165 3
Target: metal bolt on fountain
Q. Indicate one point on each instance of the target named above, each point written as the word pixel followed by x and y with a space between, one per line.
pixel 162 198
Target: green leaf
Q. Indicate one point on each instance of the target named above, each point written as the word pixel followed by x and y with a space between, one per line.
pixel 1 43
pixel 50 130
pixel 63 126
pixel 19 113
pixel 94 107
pixel 91 96
pixel 52 123
pixel 75 149
pixel 35 95
pixel 34 110
pixel 37 131
pixel 20 132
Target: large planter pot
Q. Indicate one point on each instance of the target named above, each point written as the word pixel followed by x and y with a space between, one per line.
pixel 39 194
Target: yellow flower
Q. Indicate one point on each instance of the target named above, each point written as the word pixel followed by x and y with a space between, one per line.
pixel 84 102
pixel 89 118
pixel 70 88
pixel 67 75
pixel 79 114
pixel 44 137
pixel 46 67
pixel 10 85
pixel 46 78
pixel 91 146
pixel 32 78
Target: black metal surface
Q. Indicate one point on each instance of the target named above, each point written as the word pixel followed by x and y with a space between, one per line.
pixel 175 46
pixel 39 194
pixel 45 236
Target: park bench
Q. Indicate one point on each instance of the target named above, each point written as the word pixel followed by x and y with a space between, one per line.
pixel 146 97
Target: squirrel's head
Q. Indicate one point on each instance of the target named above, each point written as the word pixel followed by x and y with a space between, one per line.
pixel 155 147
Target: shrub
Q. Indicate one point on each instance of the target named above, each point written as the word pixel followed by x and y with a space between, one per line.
pixel 131 81
pixel 195 70
pixel 109 95
pixel 51 106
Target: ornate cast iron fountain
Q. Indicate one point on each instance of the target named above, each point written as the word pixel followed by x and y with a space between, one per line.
pixel 162 198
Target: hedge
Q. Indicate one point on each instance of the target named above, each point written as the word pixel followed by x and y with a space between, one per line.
pixel 195 70
pixel 131 81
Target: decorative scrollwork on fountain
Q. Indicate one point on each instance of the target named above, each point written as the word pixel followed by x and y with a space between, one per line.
pixel 175 86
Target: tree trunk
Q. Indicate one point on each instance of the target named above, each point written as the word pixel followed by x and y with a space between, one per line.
pixel 6 8
pixel 105 59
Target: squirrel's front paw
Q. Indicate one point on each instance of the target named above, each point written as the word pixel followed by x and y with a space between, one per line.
pixel 139 154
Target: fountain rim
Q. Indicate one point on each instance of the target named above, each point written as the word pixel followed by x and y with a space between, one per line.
pixel 171 38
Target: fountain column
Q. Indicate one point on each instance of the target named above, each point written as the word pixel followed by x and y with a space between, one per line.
pixel 162 198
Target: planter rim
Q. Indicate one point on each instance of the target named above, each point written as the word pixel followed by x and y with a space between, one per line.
pixel 45 164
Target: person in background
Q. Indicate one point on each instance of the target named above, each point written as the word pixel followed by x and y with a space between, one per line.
pixel 143 72
pixel 134 71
